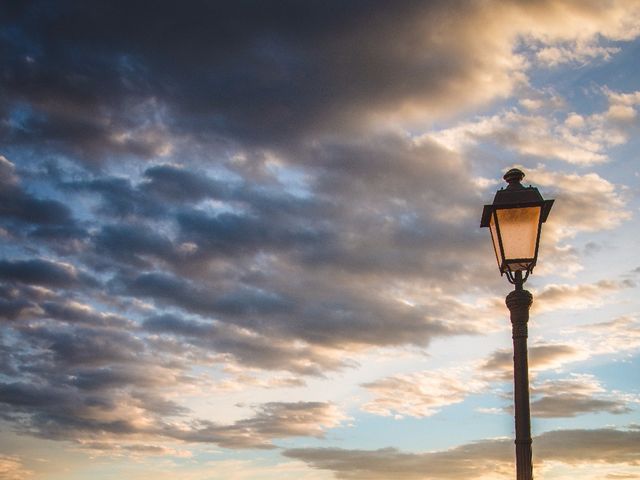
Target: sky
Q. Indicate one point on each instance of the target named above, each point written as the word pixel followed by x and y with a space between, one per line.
pixel 240 240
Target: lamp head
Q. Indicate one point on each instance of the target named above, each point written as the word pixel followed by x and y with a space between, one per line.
pixel 515 220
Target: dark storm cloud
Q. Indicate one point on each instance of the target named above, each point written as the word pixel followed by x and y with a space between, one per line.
pixel 178 326
pixel 63 239
pixel 12 309
pixel 17 204
pixel 105 378
pixel 26 208
pixel 179 184
pixel 231 234
pixel 247 348
pixel 16 302
pixel 265 196
pixel 242 302
pixel 269 237
pixel 394 211
pixel 131 244
pixel 70 381
pixel 263 219
pixel 27 395
pixel 277 279
pixel 43 272
pixel 63 412
pixel 76 313
pixel 119 197
pixel 374 206
pixel 396 194
pixel 81 345
pixel 85 78
pixel 327 316
pixel 170 289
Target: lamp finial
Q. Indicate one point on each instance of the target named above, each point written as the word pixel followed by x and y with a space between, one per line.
pixel 513 177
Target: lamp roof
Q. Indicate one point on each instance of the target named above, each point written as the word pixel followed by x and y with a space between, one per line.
pixel 516 195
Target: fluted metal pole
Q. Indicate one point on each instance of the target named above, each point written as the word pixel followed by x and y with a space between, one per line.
pixel 519 301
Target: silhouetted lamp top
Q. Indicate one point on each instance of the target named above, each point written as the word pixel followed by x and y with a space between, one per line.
pixel 515 219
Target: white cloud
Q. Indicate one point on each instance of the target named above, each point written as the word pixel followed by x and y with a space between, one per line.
pixel 570 137
pixel 574 52
pixel 535 135
pixel 420 394
pixel 617 336
pixel 584 203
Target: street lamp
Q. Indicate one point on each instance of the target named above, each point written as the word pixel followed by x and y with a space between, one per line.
pixel 515 220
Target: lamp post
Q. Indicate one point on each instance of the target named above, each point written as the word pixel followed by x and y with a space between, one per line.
pixel 515 220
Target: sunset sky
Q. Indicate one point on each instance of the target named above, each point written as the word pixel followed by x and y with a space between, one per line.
pixel 240 240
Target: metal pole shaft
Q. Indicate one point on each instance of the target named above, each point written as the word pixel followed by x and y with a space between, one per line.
pixel 519 301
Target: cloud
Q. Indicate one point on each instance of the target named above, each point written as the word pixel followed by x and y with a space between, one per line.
pixel 576 395
pixel 532 135
pixel 574 52
pixel 563 297
pixel 135 245
pixel 62 412
pixel 584 203
pixel 278 76
pixel 272 421
pixel 241 377
pixel 617 336
pixel 420 394
pixel 568 136
pixel 12 309
pixel 570 406
pixel 136 451
pixel 79 412
pixel 44 272
pixel 12 468
pixel 230 295
pixel 176 183
pixel 620 335
pixel 75 312
pixel 119 198
pixel 425 393
pixel 269 51
pixel 18 205
pixel 247 347
pixel 541 357
pixel 559 297
pixel 321 309
pixel 482 459
pixel 18 303
pixel 82 345
pixel 238 195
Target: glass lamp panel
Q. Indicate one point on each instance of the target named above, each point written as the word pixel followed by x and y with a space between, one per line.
pixel 496 242
pixel 519 232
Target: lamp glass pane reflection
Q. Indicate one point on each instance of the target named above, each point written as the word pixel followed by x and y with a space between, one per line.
pixel 496 241
pixel 518 229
